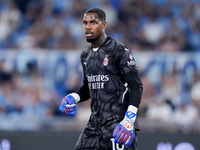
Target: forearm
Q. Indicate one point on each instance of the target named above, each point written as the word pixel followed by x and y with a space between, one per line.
pixel 135 87
pixel 135 95
pixel 83 93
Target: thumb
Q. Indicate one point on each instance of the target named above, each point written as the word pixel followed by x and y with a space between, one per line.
pixel 116 130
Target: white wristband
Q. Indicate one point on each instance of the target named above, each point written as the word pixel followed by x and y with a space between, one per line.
pixel 134 110
pixel 76 97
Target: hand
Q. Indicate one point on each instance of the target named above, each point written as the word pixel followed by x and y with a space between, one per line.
pixel 124 131
pixel 68 105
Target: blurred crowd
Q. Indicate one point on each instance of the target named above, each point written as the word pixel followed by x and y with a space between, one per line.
pixel 144 25
pixel 173 103
pixel 153 25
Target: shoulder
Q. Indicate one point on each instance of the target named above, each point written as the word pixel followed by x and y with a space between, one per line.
pixel 85 52
pixel 113 45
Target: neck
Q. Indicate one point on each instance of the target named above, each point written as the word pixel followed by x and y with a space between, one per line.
pixel 99 42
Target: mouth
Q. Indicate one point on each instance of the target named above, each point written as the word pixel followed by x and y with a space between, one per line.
pixel 88 33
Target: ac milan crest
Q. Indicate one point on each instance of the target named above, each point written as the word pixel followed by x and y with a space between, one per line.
pixel 105 61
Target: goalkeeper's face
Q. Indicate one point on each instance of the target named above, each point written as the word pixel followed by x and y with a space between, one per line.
pixel 93 26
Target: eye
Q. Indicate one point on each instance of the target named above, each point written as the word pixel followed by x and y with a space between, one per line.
pixel 84 22
pixel 93 22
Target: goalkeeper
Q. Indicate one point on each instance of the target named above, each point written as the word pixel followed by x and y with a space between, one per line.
pixel 112 81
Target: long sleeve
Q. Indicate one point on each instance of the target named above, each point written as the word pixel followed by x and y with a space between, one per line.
pixel 130 74
pixel 83 92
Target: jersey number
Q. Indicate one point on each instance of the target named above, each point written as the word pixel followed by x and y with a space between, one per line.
pixel 115 146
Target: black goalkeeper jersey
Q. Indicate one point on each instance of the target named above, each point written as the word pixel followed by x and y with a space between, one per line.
pixel 112 81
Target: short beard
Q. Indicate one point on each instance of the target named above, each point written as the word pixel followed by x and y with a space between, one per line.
pixel 91 40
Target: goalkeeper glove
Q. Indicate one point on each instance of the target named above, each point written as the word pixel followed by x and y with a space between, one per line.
pixel 124 131
pixel 68 103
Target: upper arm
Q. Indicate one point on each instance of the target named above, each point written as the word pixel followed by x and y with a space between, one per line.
pixel 126 61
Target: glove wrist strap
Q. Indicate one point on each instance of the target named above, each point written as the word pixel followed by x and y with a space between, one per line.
pixel 132 109
pixel 76 97
pixel 131 113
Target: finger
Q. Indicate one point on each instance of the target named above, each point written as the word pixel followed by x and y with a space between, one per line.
pixel 64 101
pixel 124 139
pixel 129 141
pixel 116 130
pixel 62 107
pixel 70 113
pixel 70 107
pixel 117 137
pixel 121 138
pixel 69 110
pixel 70 99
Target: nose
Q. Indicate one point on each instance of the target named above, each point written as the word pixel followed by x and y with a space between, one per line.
pixel 88 26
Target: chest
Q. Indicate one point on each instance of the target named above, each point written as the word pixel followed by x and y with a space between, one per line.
pixel 100 62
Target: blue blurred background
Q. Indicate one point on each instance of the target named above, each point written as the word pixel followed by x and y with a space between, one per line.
pixel 40 46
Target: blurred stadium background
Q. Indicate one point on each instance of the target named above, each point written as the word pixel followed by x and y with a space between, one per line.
pixel 40 46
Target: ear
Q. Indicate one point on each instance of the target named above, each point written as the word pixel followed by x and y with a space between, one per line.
pixel 104 25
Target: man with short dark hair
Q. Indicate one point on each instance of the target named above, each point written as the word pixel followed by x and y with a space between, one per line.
pixel 112 81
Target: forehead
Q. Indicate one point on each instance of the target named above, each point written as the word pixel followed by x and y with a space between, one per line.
pixel 91 16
